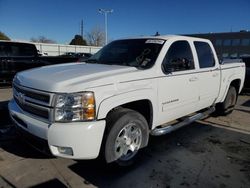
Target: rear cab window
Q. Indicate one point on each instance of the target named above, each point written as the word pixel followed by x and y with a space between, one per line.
pixel 205 54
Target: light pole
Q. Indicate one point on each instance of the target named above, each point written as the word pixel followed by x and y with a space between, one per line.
pixel 106 12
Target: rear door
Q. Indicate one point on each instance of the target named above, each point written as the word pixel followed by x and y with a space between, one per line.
pixel 208 74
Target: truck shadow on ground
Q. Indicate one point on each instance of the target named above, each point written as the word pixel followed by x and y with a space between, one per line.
pixel 4 114
pixel 51 183
pixel 9 140
pixel 163 162
pixel 12 143
pixel 157 165
pixel 246 104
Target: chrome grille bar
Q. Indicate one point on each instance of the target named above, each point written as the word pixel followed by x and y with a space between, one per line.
pixel 34 103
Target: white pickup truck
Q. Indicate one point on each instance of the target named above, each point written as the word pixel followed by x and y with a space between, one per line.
pixel 130 89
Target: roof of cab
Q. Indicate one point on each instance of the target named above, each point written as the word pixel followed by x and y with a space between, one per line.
pixel 166 37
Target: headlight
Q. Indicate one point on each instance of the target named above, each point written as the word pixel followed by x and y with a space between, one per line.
pixel 75 107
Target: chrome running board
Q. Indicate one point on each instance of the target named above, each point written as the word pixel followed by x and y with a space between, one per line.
pixel 186 121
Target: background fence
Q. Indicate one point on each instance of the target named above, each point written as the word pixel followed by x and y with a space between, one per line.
pixel 59 49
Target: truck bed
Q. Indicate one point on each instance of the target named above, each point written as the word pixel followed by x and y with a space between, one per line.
pixel 229 69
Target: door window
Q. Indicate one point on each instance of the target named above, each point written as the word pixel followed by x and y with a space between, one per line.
pixel 205 54
pixel 178 58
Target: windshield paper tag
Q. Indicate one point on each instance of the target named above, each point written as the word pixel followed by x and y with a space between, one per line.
pixel 154 41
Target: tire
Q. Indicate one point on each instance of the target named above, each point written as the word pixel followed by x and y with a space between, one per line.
pixel 126 133
pixel 227 106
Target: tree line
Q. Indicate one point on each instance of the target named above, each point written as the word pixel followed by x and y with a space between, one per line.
pixel 96 37
pixel 3 36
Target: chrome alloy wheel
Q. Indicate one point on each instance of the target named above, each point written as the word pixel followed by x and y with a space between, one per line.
pixel 128 142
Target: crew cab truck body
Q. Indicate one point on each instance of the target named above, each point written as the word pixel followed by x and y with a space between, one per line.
pixel 128 90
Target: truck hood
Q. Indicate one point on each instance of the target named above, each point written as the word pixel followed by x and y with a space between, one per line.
pixel 63 77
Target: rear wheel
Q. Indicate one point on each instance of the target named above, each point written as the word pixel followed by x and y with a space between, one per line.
pixel 228 105
pixel 126 133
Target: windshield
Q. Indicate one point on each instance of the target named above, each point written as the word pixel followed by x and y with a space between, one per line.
pixel 141 53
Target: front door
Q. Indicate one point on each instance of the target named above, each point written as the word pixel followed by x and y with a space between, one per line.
pixel 178 90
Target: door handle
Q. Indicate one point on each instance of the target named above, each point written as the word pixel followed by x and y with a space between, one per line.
pixel 193 79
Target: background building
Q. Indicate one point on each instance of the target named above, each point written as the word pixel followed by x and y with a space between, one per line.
pixel 230 44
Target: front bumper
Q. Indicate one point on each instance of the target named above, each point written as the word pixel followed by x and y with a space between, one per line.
pixel 84 138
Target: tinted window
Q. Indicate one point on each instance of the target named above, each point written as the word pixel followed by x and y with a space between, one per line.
pixel 218 42
pixel 245 42
pixel 227 42
pixel 141 53
pixel 4 50
pixel 234 55
pixel 22 50
pixel 224 55
pixel 236 42
pixel 179 57
pixel 205 54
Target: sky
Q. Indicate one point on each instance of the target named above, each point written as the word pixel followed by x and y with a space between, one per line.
pixel 60 20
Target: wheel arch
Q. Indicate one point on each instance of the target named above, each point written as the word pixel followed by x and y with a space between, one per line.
pixel 235 82
pixel 138 102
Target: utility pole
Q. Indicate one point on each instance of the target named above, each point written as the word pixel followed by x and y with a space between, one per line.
pixel 81 28
pixel 106 12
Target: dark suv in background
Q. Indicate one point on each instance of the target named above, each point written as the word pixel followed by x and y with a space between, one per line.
pixel 18 56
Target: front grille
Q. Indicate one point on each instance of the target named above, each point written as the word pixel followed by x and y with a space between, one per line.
pixel 32 102
pixel 33 110
pixel 34 95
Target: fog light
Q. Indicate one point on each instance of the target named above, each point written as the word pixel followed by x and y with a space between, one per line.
pixel 65 150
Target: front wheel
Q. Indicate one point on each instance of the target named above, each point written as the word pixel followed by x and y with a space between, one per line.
pixel 127 132
pixel 227 106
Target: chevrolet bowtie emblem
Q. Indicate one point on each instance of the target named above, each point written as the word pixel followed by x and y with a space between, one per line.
pixel 21 98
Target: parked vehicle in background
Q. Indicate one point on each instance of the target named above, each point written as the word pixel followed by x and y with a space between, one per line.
pixel 69 54
pixel 246 60
pixel 42 54
pixel 128 90
pixel 19 56
pixel 77 54
pixel 83 56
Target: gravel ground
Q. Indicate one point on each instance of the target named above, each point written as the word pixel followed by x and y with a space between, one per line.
pixel 214 152
pixel 5 93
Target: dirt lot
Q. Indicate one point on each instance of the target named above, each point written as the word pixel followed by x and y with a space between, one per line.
pixel 210 153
